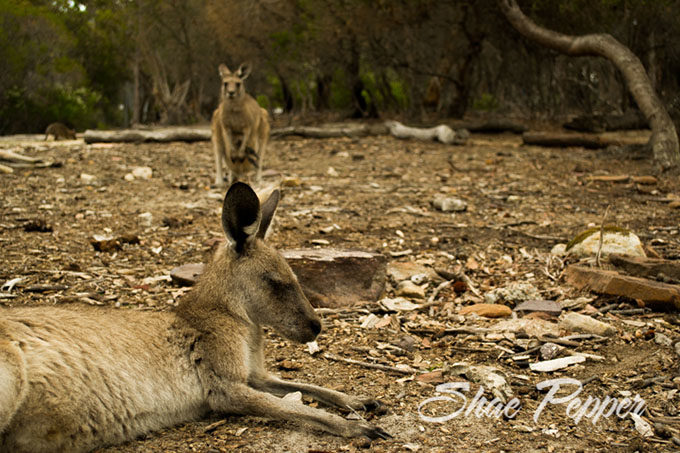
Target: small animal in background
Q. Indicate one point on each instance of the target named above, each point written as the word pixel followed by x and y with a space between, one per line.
pixel 60 131
pixel 240 129
pixel 75 379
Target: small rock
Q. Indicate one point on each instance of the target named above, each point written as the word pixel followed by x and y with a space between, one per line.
pixel 559 250
pixel 291 181
pixel 87 179
pixel 447 204
pixel 313 347
pixel 398 304
pixel 145 219
pixel 550 350
pixel 294 397
pixel 487 310
pixel 142 172
pixel 535 328
pixel 332 172
pixel 663 340
pixel 645 180
pixel 674 204
pixel 400 271
pixel 289 365
pixel 547 366
pixel 433 377
pixel 103 243
pixel 407 288
pixel 406 342
pixel 583 323
pixel 37 225
pixel 129 177
pixel 515 292
pixel 187 275
pixel 677 348
pixel 419 279
pixel 546 306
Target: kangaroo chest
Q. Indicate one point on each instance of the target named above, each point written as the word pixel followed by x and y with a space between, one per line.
pixel 234 119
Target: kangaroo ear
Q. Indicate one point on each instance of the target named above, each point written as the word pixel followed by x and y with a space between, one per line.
pixel 268 210
pixel 243 71
pixel 224 70
pixel 240 214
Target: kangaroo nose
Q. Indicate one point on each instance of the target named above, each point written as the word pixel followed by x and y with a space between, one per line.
pixel 315 325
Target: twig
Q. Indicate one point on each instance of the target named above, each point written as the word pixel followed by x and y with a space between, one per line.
pixel 436 292
pixel 468 281
pixel 599 246
pixel 375 366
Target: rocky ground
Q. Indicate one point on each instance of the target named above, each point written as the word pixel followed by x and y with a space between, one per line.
pixel 375 193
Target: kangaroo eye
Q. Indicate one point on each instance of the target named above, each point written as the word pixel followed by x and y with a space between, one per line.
pixel 238 84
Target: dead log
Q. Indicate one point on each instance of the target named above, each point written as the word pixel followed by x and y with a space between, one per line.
pixel 331 130
pixel 566 139
pixel 494 126
pixel 173 134
pixel 647 267
pixel 655 294
pixel 441 133
pixel 12 159
pixel 664 139
pixel 631 119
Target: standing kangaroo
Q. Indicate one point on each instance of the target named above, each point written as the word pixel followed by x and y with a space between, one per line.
pixel 80 378
pixel 240 129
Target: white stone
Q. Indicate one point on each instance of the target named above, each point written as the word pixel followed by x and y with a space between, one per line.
pixel 583 323
pixel 142 172
pixel 621 242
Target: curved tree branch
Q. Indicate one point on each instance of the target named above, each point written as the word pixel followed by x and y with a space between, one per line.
pixel 664 139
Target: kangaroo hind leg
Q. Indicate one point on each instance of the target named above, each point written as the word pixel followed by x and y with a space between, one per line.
pixel 13 381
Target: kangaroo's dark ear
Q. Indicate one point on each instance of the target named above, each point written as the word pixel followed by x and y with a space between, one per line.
pixel 243 71
pixel 240 214
pixel 268 210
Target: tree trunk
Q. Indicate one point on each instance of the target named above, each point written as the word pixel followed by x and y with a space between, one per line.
pixel 664 139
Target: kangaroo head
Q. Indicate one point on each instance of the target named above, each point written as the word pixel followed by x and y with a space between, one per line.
pixel 261 280
pixel 232 82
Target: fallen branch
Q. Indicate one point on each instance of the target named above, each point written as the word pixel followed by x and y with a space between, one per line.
pixel 13 159
pixel 441 133
pixel 170 134
pixel 331 130
pixel 375 366
pixel 566 139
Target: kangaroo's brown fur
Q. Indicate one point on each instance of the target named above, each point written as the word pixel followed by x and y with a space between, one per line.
pixel 240 129
pixel 75 379
pixel 60 131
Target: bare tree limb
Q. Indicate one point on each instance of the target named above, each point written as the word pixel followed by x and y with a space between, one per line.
pixel 664 139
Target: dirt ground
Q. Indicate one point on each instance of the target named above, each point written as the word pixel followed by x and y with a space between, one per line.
pixel 377 190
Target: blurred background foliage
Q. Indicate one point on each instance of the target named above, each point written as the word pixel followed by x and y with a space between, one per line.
pixel 111 63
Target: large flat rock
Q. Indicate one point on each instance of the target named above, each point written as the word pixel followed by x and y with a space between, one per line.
pixel 342 277
pixel 610 282
pixel 329 277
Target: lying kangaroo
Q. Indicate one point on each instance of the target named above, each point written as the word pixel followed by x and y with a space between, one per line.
pixel 80 378
pixel 60 131
pixel 240 129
